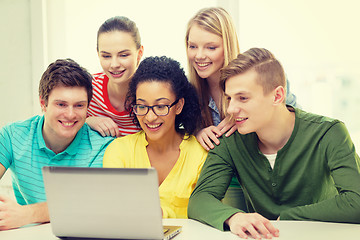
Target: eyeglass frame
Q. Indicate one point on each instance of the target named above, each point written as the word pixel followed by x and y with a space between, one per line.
pixel 152 108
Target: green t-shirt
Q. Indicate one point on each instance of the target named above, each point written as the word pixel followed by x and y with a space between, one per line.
pixel 316 176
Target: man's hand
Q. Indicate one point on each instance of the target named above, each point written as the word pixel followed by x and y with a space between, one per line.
pixel 207 136
pixel 104 125
pixel 14 215
pixel 253 224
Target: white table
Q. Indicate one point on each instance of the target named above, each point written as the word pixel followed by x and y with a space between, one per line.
pixel 289 230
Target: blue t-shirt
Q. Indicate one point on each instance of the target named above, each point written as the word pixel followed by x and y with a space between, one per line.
pixel 23 150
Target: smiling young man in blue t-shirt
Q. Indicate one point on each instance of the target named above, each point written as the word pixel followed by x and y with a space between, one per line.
pixel 58 138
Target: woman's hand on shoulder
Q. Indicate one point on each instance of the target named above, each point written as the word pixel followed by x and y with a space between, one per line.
pixel 104 125
pixel 227 125
pixel 207 136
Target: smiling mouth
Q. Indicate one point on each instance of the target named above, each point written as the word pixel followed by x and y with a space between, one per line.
pixel 67 124
pixel 117 73
pixel 202 64
pixel 240 119
pixel 153 126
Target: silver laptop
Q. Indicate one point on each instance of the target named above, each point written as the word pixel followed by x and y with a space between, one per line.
pixel 119 203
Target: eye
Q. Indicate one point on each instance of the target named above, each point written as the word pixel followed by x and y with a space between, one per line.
pixel 124 55
pixel 80 105
pixel 243 98
pixel 141 107
pixel 161 107
pixel 191 46
pixel 212 48
pixel 61 104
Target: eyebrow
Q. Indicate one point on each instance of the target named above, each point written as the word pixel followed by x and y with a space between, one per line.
pixel 207 43
pixel 157 100
pixel 238 93
pixel 126 50
pixel 60 100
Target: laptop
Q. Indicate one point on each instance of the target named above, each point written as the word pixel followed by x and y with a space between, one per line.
pixel 112 203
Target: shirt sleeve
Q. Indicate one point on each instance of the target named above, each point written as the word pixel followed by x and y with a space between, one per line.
pixel 205 202
pixel 344 166
pixel 5 147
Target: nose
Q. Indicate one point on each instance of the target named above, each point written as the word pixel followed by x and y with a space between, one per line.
pixel 232 108
pixel 115 63
pixel 199 53
pixel 150 116
pixel 70 113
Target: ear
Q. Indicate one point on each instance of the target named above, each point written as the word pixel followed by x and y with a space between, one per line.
pixel 179 106
pixel 279 95
pixel 140 54
pixel 42 104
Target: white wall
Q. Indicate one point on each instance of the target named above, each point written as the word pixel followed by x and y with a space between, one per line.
pixel 15 61
pixel 73 25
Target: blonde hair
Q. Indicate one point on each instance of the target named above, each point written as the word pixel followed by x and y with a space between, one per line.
pixel 215 20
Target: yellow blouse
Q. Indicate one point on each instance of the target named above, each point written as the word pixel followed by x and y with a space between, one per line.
pixel 130 152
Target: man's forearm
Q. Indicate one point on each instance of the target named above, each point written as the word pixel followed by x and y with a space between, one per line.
pixel 37 213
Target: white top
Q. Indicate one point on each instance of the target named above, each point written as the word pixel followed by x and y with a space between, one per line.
pixel 271 158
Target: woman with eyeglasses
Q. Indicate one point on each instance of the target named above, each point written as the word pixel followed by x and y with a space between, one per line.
pixel 165 105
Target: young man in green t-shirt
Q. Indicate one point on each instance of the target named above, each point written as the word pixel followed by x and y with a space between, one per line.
pixel 292 165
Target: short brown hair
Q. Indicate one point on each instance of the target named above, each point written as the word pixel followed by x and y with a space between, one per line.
pixel 270 72
pixel 67 73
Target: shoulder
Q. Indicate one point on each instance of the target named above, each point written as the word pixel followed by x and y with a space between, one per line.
pixel 99 76
pixel 99 79
pixel 313 122
pixel 191 145
pixel 22 127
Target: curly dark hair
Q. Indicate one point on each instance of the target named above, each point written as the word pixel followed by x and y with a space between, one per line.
pixel 164 69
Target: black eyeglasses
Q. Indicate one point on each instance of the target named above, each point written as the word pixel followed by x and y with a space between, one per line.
pixel 159 110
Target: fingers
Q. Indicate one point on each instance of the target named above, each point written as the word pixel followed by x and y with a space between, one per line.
pixel 207 136
pixel 104 125
pixel 252 223
pixel 273 230
pixel 231 131
pixel 227 126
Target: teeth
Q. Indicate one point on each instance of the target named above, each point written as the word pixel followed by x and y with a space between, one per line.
pixel 240 119
pixel 203 64
pixel 115 73
pixel 68 123
pixel 153 126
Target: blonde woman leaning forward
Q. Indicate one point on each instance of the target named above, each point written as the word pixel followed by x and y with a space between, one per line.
pixel 211 43
pixel 165 105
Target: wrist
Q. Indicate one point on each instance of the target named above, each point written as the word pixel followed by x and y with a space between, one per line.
pixel 229 220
